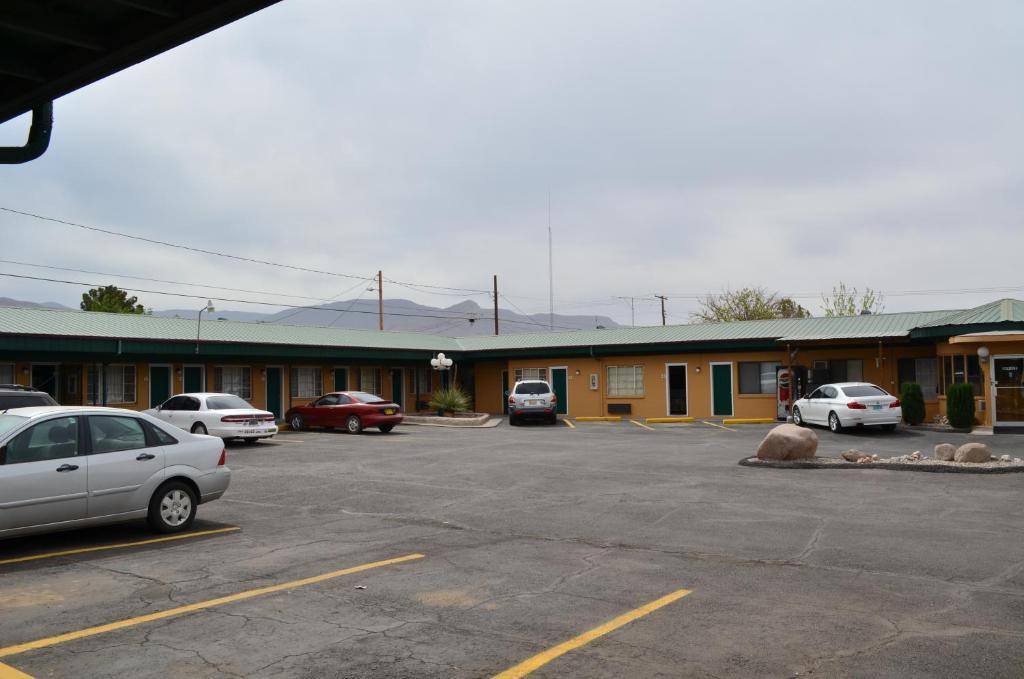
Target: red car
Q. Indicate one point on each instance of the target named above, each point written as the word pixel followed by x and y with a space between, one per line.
pixel 353 410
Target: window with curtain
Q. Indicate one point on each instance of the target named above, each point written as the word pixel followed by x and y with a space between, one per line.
pixel 924 371
pixel 370 380
pixel 524 374
pixel 233 380
pixel 625 380
pixel 423 385
pixel 961 369
pixel 846 370
pixel 307 382
pixel 120 384
pixel 6 373
pixel 758 377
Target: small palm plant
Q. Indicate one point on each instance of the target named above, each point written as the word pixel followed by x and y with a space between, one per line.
pixel 450 400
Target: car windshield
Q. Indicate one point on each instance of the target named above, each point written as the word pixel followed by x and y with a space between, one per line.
pixel 227 402
pixel 532 388
pixel 864 390
pixel 9 422
pixel 364 397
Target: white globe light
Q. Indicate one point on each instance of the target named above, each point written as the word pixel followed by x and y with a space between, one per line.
pixel 440 357
pixel 434 362
pixel 983 353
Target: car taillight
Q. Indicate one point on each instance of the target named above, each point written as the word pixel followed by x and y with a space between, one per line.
pixel 223 457
pixel 853 405
pixel 554 398
pixel 511 400
pixel 895 404
pixel 238 418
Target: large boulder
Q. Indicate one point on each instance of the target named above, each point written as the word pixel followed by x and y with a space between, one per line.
pixel 788 442
pixel 973 452
pixel 945 452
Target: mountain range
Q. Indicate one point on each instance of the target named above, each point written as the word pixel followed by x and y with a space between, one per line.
pixel 401 315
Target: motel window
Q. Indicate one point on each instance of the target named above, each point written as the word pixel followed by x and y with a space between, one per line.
pixel 6 373
pixel 528 374
pixel 120 384
pixel 370 381
pixel 960 370
pixel 233 380
pixel 307 382
pixel 625 380
pixel 846 370
pixel 758 378
pixel 923 371
pixel 423 381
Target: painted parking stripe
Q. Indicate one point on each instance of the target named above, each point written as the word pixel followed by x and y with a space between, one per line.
pixel 570 424
pixel 210 603
pixel 120 545
pixel 641 424
pixel 712 424
pixel 536 662
pixel 8 672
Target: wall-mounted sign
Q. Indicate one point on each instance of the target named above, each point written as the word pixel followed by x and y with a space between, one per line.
pixel 593 381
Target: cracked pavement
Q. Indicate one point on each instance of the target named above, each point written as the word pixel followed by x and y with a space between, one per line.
pixel 533 535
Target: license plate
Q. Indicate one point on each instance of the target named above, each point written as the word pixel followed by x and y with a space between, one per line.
pixel 389 411
pixel 252 423
pixel 877 407
pixel 531 403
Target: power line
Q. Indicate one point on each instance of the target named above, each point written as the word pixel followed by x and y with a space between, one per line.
pixel 215 253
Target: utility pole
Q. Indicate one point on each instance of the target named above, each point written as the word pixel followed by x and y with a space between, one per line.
pixel 662 298
pixel 495 304
pixel 380 298
pixel 632 310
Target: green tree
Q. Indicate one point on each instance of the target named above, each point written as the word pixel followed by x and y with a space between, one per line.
pixel 848 302
pixel 747 304
pixel 112 299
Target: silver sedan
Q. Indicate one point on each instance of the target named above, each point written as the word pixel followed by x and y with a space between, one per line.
pixel 70 467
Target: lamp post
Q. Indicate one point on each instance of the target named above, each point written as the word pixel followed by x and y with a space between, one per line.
pixel 199 320
pixel 441 363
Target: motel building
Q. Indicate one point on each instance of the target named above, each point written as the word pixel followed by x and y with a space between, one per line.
pixel 707 370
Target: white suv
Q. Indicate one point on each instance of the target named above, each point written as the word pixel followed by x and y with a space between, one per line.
pixel 532 398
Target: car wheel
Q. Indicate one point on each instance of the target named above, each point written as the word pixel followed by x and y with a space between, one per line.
pixel 172 508
pixel 888 427
pixel 798 419
pixel 296 423
pixel 199 428
pixel 553 420
pixel 385 428
pixel 512 421
pixel 353 424
pixel 834 425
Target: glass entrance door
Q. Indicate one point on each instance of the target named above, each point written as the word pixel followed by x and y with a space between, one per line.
pixel 1008 389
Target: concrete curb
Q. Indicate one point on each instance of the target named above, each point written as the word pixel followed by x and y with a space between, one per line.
pixel 483 420
pixel 670 420
pixel 607 418
pixel 749 420
pixel 892 466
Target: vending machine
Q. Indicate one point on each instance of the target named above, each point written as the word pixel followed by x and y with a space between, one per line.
pixel 785 383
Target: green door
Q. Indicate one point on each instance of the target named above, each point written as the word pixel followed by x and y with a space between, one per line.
pixel 560 385
pixel 341 379
pixel 274 392
pixel 721 388
pixel 192 379
pixel 397 387
pixel 159 384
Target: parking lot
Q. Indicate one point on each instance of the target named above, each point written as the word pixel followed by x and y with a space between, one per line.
pixel 604 550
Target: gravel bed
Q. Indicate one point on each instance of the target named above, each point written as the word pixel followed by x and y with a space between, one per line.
pixel 901 463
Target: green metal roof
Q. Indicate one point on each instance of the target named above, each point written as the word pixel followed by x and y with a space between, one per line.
pixel 92 325
pixel 1000 311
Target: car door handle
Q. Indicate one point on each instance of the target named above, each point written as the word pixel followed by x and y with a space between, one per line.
pixel 67 467
pixel 145 456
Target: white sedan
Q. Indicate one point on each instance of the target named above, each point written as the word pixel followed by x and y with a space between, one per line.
pixel 223 415
pixel 848 404
pixel 64 467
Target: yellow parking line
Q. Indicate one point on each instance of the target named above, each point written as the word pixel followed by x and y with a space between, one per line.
pixel 639 424
pixel 717 425
pixel 570 424
pixel 541 659
pixel 8 672
pixel 120 545
pixel 220 601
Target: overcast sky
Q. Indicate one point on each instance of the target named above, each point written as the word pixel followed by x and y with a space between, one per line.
pixel 687 147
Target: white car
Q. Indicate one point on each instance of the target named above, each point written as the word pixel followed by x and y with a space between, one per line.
pixel 848 404
pixel 223 415
pixel 532 398
pixel 64 467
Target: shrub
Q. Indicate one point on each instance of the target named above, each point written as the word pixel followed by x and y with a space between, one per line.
pixel 960 405
pixel 912 402
pixel 450 400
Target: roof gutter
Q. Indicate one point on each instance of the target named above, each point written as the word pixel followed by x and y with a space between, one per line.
pixel 38 138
